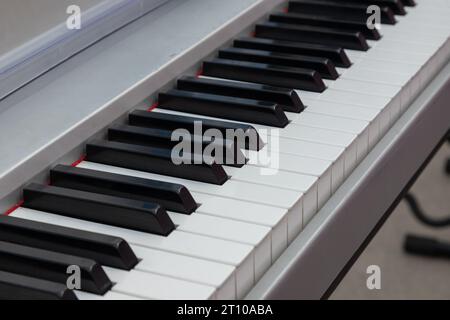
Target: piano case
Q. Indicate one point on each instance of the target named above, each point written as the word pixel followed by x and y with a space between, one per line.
pixel 26 61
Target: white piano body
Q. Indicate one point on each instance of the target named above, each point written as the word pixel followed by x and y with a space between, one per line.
pixel 49 120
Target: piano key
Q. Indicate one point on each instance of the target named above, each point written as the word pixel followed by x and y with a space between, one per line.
pixel 396 6
pixel 343 124
pixel 52 266
pixel 148 286
pixel 294 164
pixel 322 35
pixel 354 98
pixel 242 191
pixel 310 134
pixel 171 196
pixel 288 99
pixel 324 21
pixel 182 243
pixel 350 11
pixel 220 276
pixel 375 118
pixel 334 156
pixel 151 159
pixel 340 110
pixel 231 189
pixel 304 134
pixel 224 107
pixel 109 296
pixel 297 132
pixel 173 122
pixel 278 219
pixel 408 35
pixel 241 210
pixel 134 214
pixel 230 153
pixel 107 250
pixel 324 66
pixel 286 77
pixel 334 53
pixel 236 231
pixel 18 287
pixel 407 46
pixel 376 76
pixel 409 3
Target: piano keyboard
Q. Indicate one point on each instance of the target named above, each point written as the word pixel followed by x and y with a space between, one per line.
pixel 140 227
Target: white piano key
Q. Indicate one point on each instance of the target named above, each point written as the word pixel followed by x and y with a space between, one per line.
pixel 280 179
pixel 316 134
pixel 296 164
pixel 339 110
pixel 275 218
pixel 225 229
pixel 335 157
pixel 354 98
pixel 307 149
pixel 148 286
pixel 411 57
pixel 235 254
pixel 407 46
pixel 366 87
pixel 334 123
pixel 109 296
pixel 220 276
pixel 383 77
pixel 352 126
pixel 303 184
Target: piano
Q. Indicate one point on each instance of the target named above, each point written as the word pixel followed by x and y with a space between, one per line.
pixel 352 114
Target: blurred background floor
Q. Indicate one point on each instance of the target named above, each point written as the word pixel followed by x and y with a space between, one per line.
pixel 404 276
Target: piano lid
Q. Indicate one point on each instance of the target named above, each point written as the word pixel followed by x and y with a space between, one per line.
pixel 37 38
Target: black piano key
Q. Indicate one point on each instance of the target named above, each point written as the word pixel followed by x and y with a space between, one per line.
pixel 121 212
pixel 350 11
pixel 154 160
pixel 396 6
pixel 172 122
pixel 324 66
pixel 408 3
pixel 323 21
pixel 283 31
pixel 334 53
pixel 278 76
pixel 223 107
pixel 52 266
pixel 156 137
pixel 171 196
pixel 107 250
pixel 19 287
pixel 288 99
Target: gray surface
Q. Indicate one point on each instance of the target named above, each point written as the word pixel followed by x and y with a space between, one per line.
pixel 63 108
pixel 404 276
pixel 37 38
pixel 316 257
pixel 25 20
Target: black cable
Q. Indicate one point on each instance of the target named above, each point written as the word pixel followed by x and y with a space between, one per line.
pixel 422 217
